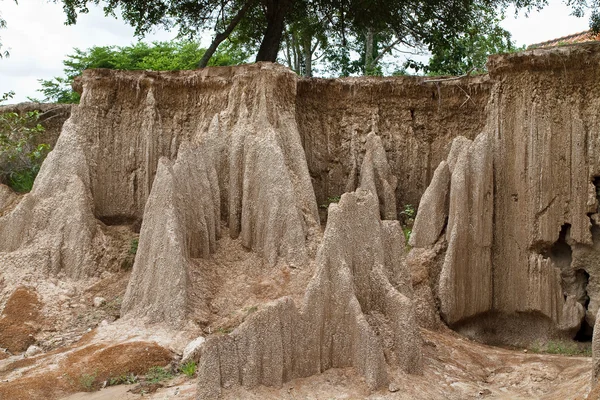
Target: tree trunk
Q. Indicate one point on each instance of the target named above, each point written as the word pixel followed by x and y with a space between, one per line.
pixel 276 13
pixel 307 53
pixel 298 54
pixel 293 44
pixel 369 38
pixel 288 52
pixel 225 34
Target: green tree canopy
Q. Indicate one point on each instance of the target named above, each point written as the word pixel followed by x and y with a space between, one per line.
pixel 158 56
pixel 267 22
pixel 468 51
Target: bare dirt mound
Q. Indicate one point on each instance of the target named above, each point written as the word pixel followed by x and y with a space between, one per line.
pixel 82 368
pixel 453 368
pixel 21 319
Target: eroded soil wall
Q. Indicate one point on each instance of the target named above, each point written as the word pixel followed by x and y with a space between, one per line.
pixel 523 200
pixel 415 119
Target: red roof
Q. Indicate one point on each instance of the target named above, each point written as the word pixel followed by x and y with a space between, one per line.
pixel 581 37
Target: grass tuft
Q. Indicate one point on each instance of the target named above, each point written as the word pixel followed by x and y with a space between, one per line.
pixel 562 347
pixel 189 369
pixel 157 375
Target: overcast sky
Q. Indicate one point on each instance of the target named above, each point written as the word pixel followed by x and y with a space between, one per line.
pixel 38 40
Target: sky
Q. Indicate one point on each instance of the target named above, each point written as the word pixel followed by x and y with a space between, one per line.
pixel 39 41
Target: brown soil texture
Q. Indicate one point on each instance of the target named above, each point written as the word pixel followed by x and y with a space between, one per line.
pixel 455 368
pixel 514 213
pixel 84 369
pixel 415 120
pixel 20 320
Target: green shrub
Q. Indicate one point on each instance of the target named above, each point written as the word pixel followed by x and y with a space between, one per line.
pixel 157 375
pixel 189 369
pixel 123 380
pixel 22 180
pixel 20 156
pixel 87 381
pixel 407 233
pixel 334 199
pixel 407 216
pixel 134 246
pixel 409 212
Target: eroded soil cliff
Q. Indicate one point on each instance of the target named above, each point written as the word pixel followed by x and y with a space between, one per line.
pixel 186 204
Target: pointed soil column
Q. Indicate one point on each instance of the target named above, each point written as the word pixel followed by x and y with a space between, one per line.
pixel 349 300
pixel 248 168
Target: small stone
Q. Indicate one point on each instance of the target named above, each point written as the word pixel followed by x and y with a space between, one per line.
pixel 193 350
pixel 393 387
pixel 99 301
pixel 32 351
pixel 146 388
pixel 104 323
pixel 525 351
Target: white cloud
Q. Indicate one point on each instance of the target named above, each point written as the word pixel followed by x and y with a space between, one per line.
pixel 39 41
pixel 552 22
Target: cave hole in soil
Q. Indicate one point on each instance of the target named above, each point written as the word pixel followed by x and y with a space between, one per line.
pixel 596 182
pixel 561 255
pixel 560 252
pixel 586 331
pixel 117 220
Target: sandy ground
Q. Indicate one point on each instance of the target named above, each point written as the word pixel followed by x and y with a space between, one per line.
pixel 455 368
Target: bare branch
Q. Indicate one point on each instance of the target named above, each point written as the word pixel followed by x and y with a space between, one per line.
pixel 385 50
pixel 454 78
pixel 220 37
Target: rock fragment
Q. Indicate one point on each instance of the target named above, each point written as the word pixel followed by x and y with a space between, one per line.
pixel 99 301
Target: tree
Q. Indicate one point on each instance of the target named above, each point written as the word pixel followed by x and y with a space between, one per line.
pixel 192 16
pixel 303 36
pixel 468 51
pixel 159 56
pixel 265 21
pixel 21 154
pixel 580 7
pixel 225 32
pixel 360 55
pixel 372 46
